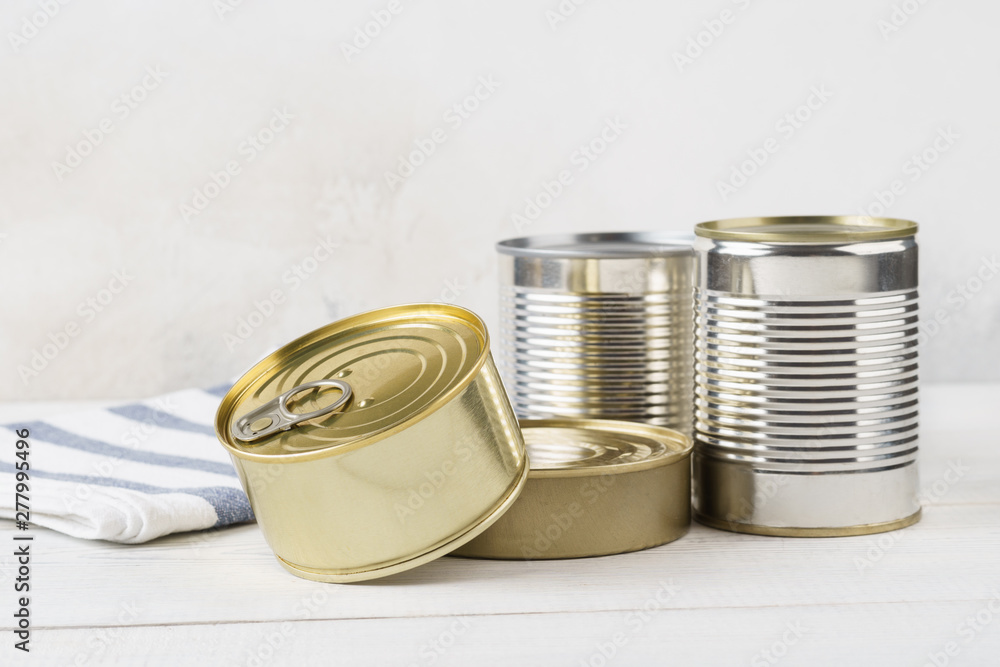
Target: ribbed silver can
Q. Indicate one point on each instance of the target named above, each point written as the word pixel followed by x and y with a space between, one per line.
pixel 599 326
pixel 806 375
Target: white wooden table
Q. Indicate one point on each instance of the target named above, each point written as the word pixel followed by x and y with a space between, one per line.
pixel 712 598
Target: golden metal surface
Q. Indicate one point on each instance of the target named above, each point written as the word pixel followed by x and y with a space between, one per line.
pixel 425 455
pixel 836 531
pixel 596 487
pixel 807 229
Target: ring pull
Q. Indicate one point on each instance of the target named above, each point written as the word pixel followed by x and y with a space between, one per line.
pixel 280 418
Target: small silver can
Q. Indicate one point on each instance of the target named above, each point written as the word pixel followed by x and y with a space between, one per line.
pixel 806 375
pixel 599 326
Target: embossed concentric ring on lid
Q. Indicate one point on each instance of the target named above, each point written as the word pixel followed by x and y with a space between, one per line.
pixel 564 448
pixel 397 366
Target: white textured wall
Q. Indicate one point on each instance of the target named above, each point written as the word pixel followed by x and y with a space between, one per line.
pixel 322 178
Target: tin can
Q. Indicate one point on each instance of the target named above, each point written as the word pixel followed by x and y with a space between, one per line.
pixel 376 443
pixel 806 375
pixel 596 487
pixel 599 326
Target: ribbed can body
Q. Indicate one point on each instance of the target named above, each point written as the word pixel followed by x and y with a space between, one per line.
pixel 599 334
pixel 806 398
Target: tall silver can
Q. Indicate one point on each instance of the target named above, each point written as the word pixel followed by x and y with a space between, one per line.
pixel 806 375
pixel 599 326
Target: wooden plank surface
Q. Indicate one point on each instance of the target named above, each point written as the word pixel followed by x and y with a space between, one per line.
pixel 219 598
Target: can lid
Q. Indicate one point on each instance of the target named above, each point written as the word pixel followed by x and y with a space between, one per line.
pixel 596 487
pixel 807 229
pixel 352 382
pixel 600 245
pixel 581 447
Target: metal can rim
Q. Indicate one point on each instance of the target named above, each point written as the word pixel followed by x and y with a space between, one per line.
pixel 224 414
pixel 874 229
pixel 792 531
pixel 648 244
pixel 668 436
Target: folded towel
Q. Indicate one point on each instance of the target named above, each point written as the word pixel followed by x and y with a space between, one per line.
pixel 129 473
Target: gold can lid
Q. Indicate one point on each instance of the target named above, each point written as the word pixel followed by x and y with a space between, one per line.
pixel 582 447
pixel 807 229
pixel 352 382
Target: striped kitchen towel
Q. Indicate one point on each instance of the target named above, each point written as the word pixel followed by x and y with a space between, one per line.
pixel 129 473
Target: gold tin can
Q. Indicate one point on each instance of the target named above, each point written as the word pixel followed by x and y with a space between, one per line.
pixel 596 487
pixel 376 443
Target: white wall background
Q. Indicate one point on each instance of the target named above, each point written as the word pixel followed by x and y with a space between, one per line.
pixel 323 176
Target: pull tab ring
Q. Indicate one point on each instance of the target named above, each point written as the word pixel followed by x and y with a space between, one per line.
pixel 280 417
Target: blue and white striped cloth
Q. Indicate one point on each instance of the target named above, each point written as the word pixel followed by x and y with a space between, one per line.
pixel 130 473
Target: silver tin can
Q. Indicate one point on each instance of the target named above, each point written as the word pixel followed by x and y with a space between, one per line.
pixel 806 375
pixel 599 326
